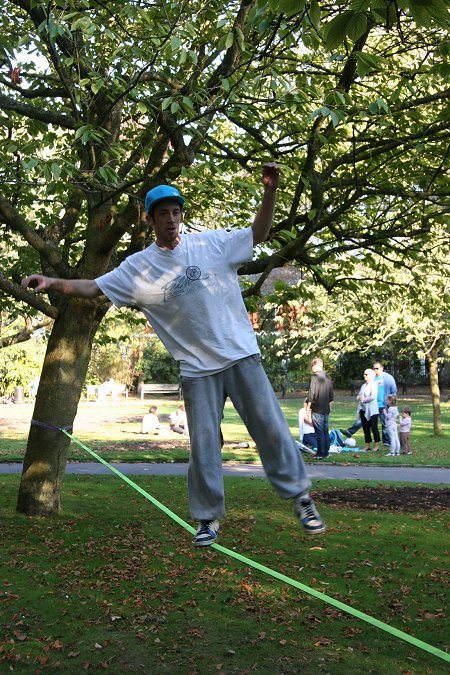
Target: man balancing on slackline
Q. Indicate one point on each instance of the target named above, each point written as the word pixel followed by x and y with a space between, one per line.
pixel 187 287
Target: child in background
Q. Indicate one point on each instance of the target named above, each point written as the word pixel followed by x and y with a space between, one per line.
pixel 391 425
pixel 405 428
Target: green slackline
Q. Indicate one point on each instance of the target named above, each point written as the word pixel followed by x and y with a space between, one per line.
pixel 273 573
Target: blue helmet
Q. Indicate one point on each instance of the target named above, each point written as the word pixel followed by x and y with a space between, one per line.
pixel 159 193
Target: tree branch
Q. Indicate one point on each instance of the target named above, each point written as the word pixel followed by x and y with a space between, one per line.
pixel 30 298
pixel 59 119
pixel 26 332
pixel 16 222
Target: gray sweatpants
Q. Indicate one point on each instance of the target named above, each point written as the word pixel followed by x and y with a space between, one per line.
pixel 252 395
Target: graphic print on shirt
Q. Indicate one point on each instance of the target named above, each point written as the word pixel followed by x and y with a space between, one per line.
pixel 185 283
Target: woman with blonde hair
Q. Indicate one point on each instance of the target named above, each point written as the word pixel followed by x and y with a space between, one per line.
pixel 368 409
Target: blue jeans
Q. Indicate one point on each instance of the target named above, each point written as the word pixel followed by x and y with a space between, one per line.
pixel 357 424
pixel 320 424
pixel 310 440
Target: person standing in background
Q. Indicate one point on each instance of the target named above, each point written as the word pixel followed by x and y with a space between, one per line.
pixel 386 387
pixel 320 398
pixel 391 425
pixel 405 429
pixel 368 409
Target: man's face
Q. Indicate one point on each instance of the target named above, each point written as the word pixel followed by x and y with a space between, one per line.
pixel 378 368
pixel 165 221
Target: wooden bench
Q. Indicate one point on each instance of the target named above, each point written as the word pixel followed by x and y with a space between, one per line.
pixel 293 386
pixel 101 391
pixel 160 389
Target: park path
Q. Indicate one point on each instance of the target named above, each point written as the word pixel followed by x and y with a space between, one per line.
pixel 420 474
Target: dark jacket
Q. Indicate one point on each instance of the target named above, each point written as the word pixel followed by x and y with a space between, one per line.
pixel 320 393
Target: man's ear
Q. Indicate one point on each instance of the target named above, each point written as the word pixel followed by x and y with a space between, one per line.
pixel 149 219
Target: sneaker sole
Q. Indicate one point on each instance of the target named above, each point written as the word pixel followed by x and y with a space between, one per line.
pixel 319 530
pixel 204 543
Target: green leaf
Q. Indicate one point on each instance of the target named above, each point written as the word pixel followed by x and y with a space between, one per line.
pixel 360 5
pixel 166 103
pixel 80 131
pixel 31 164
pixel 240 38
pixel 188 102
pixel 97 85
pixel 175 43
pixel 290 7
pixel 356 27
pixel 334 32
pixel 103 174
pixel 365 63
pixel 56 170
pixel 382 105
pixel 142 107
pixel 193 56
pixel 229 40
pixel 183 57
pixel 314 14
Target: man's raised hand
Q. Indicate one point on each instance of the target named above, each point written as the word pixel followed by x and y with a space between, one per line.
pixel 271 175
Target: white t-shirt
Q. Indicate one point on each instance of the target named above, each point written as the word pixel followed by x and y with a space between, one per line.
pixel 178 418
pixel 150 423
pixel 192 298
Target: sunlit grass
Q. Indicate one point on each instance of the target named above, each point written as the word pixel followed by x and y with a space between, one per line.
pixel 114 431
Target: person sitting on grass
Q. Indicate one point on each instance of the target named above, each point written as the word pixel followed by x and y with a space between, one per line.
pixel 306 432
pixel 150 422
pixel 178 421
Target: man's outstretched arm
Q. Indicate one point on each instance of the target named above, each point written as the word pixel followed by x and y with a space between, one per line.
pixel 79 288
pixel 263 219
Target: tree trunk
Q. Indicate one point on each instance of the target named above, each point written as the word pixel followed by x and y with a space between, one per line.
pixel 62 379
pixel 432 357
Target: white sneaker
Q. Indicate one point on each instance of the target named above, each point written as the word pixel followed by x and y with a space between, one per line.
pixel 305 448
pixel 390 454
pixel 206 533
pixel 308 515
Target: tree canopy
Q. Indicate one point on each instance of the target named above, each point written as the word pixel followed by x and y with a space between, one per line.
pixel 101 101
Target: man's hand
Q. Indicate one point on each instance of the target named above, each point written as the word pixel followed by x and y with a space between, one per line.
pixel 271 175
pixel 78 288
pixel 36 281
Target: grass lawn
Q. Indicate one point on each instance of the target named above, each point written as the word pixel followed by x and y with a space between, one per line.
pixel 113 432
pixel 112 583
